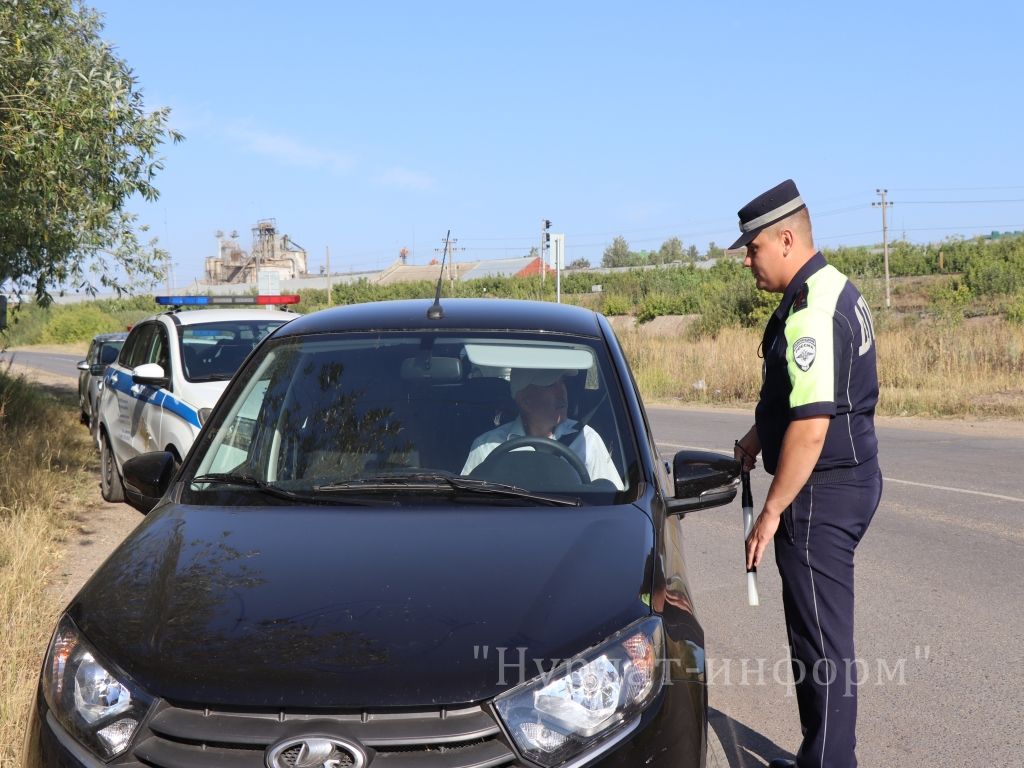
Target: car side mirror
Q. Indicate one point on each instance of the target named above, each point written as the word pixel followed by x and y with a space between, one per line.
pixel 83 365
pixel 703 480
pixel 147 477
pixel 151 375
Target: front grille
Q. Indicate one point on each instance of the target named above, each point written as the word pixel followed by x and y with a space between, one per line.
pixel 466 737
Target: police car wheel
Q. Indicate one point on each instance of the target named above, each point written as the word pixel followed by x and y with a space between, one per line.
pixel 111 487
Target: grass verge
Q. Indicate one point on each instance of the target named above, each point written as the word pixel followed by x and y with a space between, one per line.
pixel 46 459
pixel 973 370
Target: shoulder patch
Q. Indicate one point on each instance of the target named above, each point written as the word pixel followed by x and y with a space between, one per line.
pixel 800 300
pixel 805 349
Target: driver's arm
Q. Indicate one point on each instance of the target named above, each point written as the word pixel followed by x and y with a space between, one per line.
pixel 599 462
pixel 478 451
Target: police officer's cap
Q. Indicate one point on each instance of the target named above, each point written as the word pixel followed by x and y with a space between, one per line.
pixel 766 209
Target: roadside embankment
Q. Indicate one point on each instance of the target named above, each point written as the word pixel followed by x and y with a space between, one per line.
pixel 46 466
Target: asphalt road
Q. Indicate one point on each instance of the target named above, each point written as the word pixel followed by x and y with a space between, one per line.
pixel 51 362
pixel 940 599
pixel 940 604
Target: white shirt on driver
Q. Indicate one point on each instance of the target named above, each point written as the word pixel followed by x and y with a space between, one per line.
pixel 588 445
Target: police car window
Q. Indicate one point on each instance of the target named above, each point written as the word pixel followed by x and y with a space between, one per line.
pixel 344 410
pixel 158 352
pixel 214 351
pixel 128 349
pixel 139 352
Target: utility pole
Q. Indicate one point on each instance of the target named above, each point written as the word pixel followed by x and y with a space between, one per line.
pixel 558 248
pixel 885 240
pixel 545 241
pixel 450 245
pixel 330 299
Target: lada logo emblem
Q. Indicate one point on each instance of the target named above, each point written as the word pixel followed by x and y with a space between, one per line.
pixel 315 752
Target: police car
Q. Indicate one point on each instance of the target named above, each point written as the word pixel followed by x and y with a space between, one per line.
pixel 171 371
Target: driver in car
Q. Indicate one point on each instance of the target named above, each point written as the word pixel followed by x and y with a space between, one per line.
pixel 543 405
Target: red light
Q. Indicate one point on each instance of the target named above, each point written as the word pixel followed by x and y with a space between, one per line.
pixel 289 299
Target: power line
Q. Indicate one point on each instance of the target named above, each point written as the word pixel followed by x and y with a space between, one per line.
pixel 960 202
pixel 952 189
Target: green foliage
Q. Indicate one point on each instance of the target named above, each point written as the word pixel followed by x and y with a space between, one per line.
pixel 659 304
pixel 671 250
pixel 75 145
pixel 26 324
pixel 948 301
pixel 76 323
pixel 1015 309
pixel 724 295
pixel 997 270
pixel 615 304
pixel 618 255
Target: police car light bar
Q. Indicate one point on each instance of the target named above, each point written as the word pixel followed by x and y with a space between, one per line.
pixel 209 301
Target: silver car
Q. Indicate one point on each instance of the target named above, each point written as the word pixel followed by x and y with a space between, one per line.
pixel 102 352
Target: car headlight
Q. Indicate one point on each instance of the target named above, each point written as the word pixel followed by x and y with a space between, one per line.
pixel 99 705
pixel 586 700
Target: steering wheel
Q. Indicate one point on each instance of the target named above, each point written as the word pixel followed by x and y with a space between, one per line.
pixel 544 445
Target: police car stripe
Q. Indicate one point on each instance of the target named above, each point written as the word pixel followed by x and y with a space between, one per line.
pixel 166 400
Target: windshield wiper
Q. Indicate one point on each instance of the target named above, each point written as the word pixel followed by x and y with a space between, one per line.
pixel 230 478
pixel 432 481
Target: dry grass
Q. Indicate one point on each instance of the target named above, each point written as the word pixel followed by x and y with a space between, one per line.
pixel 43 458
pixel 925 369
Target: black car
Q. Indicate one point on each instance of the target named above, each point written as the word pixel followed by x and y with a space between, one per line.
pixel 369 557
pixel 102 352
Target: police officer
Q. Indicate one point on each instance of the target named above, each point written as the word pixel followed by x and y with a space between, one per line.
pixel 814 428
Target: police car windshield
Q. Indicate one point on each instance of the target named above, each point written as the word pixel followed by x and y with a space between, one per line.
pixel 356 415
pixel 214 351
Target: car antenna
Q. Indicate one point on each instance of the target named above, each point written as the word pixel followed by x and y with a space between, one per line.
pixel 435 312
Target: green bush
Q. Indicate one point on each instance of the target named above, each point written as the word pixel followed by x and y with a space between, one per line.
pixel 615 304
pixel 948 301
pixel 69 324
pixel 1015 309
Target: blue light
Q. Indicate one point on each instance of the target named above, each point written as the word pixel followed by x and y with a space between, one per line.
pixel 182 301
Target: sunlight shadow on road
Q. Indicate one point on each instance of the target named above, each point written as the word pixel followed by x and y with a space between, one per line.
pixel 741 747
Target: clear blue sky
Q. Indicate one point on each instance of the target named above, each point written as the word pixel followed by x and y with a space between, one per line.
pixel 368 127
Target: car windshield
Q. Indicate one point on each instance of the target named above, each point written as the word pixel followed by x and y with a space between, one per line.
pixel 421 417
pixel 213 351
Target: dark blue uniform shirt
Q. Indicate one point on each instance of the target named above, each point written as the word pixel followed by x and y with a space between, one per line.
pixel 819 360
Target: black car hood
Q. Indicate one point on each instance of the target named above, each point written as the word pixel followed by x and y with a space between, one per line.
pixel 362 607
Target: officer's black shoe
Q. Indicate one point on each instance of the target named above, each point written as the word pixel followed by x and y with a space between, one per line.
pixel 782 762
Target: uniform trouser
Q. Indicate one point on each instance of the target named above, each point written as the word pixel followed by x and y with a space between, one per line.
pixel 814 548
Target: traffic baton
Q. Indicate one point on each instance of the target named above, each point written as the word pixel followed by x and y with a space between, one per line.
pixel 748 523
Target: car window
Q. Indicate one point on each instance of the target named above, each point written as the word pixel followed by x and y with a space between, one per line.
pixel 312 412
pixel 158 349
pixel 136 349
pixel 108 352
pixel 214 351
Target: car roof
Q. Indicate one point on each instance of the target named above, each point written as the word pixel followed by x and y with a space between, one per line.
pixel 117 336
pixel 459 314
pixel 196 316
